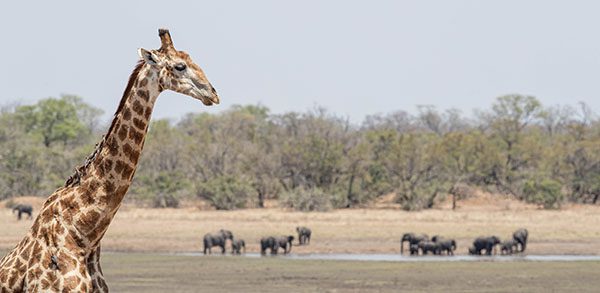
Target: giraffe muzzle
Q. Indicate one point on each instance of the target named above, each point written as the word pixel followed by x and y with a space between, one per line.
pixel 206 93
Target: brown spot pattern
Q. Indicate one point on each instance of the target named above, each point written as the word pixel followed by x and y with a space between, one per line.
pixel 119 166
pixel 123 132
pixel 132 154
pixel 88 220
pixel 113 146
pixel 127 172
pixel 126 114
pixel 109 187
pixel 136 135
pixel 141 125
pixel 138 108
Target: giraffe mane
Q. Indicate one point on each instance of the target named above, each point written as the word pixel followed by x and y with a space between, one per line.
pixel 81 170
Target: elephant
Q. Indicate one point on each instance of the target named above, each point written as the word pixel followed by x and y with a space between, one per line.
pixel 521 237
pixel 487 243
pixel 448 245
pixel 303 235
pixel 430 246
pixel 285 242
pixel 269 243
pixel 414 249
pixel 473 251
pixel 218 239
pixel 412 238
pixel 509 246
pixel 23 209
pixel 237 245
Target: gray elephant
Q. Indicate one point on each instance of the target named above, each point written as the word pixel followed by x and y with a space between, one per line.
pixel 285 242
pixel 430 246
pixel 447 245
pixel 487 243
pixel 270 243
pixel 23 209
pixel 304 234
pixel 217 239
pixel 414 249
pixel 509 246
pixel 521 237
pixel 237 245
pixel 473 251
pixel 437 238
pixel 412 238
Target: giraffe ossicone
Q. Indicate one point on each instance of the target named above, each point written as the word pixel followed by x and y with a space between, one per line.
pixel 61 251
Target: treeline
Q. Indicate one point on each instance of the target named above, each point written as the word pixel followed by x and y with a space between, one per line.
pixel 316 160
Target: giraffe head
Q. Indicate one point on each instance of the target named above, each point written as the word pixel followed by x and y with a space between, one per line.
pixel 177 72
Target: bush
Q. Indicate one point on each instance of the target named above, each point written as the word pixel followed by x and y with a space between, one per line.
pixel 311 199
pixel 226 192
pixel 165 201
pixel 9 204
pixel 546 192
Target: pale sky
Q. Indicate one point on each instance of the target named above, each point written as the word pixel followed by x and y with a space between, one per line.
pixel 353 57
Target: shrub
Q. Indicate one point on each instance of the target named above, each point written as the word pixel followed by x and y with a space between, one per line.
pixel 226 192
pixel 546 192
pixel 310 199
pixel 165 201
pixel 9 204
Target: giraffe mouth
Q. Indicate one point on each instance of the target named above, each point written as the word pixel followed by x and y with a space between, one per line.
pixel 206 93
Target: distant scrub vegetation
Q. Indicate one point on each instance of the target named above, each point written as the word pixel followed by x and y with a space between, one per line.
pixel 316 160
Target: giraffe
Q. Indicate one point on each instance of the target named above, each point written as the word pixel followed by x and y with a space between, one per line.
pixel 61 251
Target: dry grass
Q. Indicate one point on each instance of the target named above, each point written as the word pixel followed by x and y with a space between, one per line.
pixel 574 230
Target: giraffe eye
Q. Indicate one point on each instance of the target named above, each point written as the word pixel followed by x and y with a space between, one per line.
pixel 180 67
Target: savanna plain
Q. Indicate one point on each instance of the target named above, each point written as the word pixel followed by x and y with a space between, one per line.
pixel 146 250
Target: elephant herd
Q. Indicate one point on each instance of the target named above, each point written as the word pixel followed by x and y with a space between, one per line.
pixel 437 245
pixel 420 244
pixel 518 243
pixel 270 243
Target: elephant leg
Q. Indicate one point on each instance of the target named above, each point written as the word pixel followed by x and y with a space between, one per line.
pixel 223 249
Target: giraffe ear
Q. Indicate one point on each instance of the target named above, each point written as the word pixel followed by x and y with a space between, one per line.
pixel 148 56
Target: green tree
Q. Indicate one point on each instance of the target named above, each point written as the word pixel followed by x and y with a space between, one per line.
pixel 508 122
pixel 57 119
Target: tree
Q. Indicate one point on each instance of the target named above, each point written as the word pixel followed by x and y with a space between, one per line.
pixel 510 116
pixel 57 119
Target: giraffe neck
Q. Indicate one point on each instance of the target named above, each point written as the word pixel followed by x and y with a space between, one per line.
pixel 110 172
